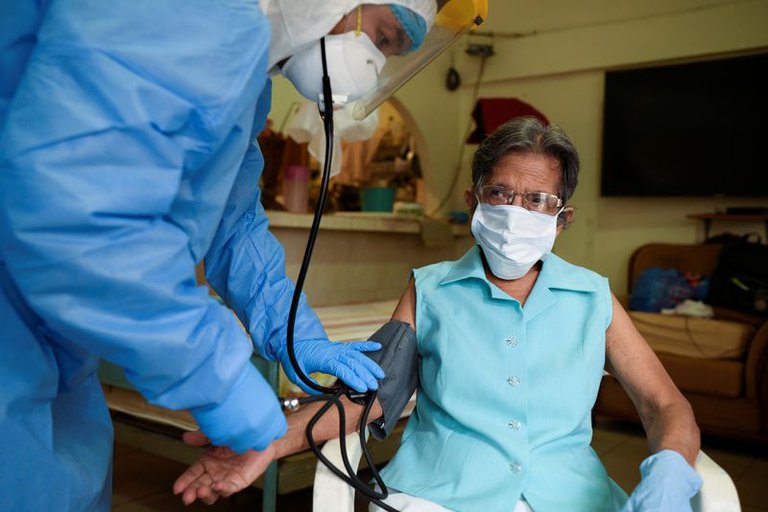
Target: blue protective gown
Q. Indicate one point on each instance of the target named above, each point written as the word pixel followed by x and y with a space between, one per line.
pixel 126 157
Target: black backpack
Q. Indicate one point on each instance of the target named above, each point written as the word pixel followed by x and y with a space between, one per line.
pixel 740 279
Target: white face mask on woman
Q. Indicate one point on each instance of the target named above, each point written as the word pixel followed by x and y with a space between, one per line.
pixel 513 239
pixel 354 64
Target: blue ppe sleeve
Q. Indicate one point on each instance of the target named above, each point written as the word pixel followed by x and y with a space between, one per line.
pixel 19 22
pixel 668 483
pixel 246 267
pixel 116 100
pixel 224 425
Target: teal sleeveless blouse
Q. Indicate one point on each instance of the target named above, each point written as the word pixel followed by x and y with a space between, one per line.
pixel 503 409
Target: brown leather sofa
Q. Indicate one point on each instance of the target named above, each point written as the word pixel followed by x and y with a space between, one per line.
pixel 728 396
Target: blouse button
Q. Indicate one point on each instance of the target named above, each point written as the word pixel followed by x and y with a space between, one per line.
pixel 511 341
pixel 515 467
pixel 514 380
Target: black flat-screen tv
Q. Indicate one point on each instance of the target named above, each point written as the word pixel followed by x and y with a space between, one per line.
pixel 696 129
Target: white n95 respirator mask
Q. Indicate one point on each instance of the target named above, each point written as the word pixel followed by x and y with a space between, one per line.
pixel 512 238
pixel 354 64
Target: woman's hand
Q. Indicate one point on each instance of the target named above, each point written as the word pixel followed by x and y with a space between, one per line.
pixel 219 472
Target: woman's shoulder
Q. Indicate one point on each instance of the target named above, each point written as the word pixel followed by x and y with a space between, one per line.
pixel 435 271
pixel 571 271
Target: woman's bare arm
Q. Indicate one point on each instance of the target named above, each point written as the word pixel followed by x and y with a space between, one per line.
pixel 666 415
pixel 406 307
pixel 295 440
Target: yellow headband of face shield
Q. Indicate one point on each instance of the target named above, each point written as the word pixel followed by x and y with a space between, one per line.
pixel 462 15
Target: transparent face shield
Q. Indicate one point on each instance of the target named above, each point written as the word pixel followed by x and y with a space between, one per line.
pixel 377 47
pixel 454 18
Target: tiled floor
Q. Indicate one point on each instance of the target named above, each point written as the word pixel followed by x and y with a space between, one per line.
pixel 142 481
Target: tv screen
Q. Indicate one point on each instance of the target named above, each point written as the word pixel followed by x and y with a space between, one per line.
pixel 698 129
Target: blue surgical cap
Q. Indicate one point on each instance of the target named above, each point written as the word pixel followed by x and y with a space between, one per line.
pixel 413 24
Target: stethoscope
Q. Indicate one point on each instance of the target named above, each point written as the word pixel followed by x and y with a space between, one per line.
pixel 331 396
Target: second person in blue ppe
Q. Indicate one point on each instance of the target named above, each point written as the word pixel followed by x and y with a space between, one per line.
pixel 126 158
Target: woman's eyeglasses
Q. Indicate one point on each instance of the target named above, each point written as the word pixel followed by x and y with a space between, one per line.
pixel 534 201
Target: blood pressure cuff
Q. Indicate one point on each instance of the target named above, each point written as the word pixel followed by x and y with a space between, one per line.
pixel 399 358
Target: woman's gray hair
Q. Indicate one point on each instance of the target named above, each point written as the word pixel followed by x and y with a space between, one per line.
pixel 528 135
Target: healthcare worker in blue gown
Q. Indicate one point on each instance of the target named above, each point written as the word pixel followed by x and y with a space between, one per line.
pixel 126 158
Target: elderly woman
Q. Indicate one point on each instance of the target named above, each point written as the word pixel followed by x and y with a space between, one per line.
pixel 513 341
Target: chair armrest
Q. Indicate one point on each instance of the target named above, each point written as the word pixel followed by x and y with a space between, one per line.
pixel 330 493
pixel 756 376
pixel 718 492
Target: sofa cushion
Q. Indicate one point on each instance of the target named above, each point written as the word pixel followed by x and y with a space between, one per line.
pixel 716 377
pixel 701 338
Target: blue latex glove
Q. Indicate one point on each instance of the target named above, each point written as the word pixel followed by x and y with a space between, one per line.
pixel 344 360
pixel 668 483
pixel 226 423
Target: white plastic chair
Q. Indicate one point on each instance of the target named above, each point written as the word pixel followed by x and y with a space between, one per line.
pixel 331 494
pixel 718 493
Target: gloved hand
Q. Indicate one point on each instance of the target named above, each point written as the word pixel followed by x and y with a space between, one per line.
pixel 249 417
pixel 668 483
pixel 344 360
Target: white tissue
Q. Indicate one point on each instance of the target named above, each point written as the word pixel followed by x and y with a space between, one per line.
pixel 688 307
